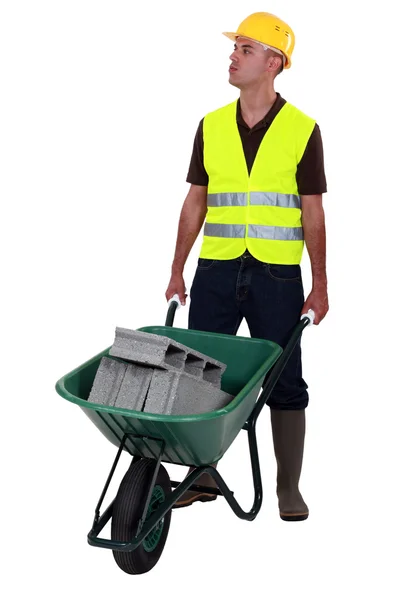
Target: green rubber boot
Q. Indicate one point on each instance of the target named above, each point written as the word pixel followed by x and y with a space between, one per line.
pixel 288 432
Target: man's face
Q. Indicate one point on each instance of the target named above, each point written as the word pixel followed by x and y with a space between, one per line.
pixel 249 62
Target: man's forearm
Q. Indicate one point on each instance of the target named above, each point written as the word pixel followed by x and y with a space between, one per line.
pixel 315 239
pixel 190 222
pixel 313 220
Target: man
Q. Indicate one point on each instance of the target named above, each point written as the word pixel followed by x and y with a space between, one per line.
pixel 257 179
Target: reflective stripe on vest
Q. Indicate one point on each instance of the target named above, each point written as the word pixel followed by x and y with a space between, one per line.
pixel 260 211
pixel 267 232
pixel 224 231
pixel 264 232
pixel 256 199
pixel 227 199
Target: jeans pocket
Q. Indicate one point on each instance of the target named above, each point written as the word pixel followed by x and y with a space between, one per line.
pixel 284 272
pixel 204 264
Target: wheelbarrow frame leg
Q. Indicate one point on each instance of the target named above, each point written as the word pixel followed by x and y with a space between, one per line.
pixel 222 488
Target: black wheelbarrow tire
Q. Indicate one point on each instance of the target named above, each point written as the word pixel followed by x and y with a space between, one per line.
pixel 128 510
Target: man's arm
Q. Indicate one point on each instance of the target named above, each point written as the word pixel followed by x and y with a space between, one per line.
pixel 192 217
pixel 313 219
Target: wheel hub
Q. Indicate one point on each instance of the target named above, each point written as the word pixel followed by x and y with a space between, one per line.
pixel 150 541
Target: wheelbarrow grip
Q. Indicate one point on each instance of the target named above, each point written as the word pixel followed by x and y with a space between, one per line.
pixel 173 304
pixel 310 316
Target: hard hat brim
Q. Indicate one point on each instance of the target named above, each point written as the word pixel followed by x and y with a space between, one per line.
pixel 230 35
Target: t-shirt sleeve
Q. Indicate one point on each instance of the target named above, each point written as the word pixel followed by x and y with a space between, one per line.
pixel 197 175
pixel 310 170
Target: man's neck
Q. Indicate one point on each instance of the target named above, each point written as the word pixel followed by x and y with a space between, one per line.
pixel 255 105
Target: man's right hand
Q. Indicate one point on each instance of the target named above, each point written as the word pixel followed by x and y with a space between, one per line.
pixel 176 286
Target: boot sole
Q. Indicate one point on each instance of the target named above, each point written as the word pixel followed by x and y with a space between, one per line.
pixel 294 517
pixel 198 498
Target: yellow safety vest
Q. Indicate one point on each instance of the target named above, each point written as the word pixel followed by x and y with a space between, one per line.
pixel 260 212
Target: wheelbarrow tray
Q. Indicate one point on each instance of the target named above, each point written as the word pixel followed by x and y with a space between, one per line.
pixel 196 440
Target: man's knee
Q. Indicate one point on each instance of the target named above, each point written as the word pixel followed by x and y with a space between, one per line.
pixel 299 402
pixel 289 394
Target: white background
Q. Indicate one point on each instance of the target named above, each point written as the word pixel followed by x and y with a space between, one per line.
pixel 100 102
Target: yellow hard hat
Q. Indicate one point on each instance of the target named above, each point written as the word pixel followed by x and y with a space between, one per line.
pixel 267 29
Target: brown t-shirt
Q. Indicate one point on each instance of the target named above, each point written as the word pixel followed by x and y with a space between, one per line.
pixel 310 173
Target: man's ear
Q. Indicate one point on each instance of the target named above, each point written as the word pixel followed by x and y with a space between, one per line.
pixel 274 63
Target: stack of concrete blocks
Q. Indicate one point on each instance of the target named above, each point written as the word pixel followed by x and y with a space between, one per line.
pixel 155 374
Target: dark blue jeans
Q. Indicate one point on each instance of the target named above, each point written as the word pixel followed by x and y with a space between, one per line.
pixel 269 297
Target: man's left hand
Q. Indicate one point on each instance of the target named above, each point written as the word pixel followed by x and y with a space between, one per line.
pixel 318 302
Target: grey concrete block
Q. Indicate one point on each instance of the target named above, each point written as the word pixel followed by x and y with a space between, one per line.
pixel 175 393
pixel 160 351
pixel 147 348
pixel 134 387
pixel 120 384
pixel 194 365
pixel 212 373
pixel 108 381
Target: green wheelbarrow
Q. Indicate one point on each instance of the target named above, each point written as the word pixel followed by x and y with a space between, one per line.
pixel 141 511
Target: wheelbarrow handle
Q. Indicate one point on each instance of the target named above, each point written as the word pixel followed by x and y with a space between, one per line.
pixel 310 316
pixel 305 321
pixel 173 304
